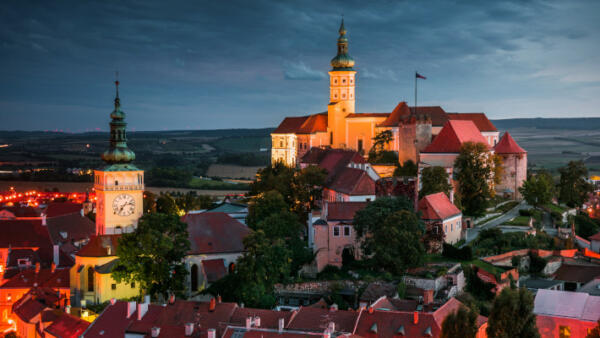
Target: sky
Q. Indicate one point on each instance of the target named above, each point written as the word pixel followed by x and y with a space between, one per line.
pixel 248 64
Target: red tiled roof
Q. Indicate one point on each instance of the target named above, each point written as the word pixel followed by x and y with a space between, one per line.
pixel 214 269
pixel 338 159
pixel 268 318
pixel 59 279
pixel 352 181
pixel 436 113
pixel 62 208
pixel 19 211
pixel 315 319
pixel 23 234
pixel 453 135
pixel 99 246
pixel 343 211
pixel 74 226
pixel 290 124
pixel 34 302
pixel 480 120
pixel 508 145
pixel 266 333
pixel 577 273
pixel 112 322
pixel 67 326
pixel 28 309
pixel 388 323
pixel 314 123
pixel 595 237
pixel 215 232
pixel 358 115
pixel 437 207
pixel 313 156
pixel 398 114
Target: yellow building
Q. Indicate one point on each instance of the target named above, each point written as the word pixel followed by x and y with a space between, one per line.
pixel 120 189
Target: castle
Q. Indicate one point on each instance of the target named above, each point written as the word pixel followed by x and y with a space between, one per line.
pixel 428 136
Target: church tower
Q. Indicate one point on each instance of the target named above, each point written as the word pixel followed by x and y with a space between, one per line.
pixel 119 185
pixel 342 97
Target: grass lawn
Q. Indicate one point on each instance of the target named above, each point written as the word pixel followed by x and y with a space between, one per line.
pixel 556 208
pixel 519 220
pixel 487 266
pixel 198 183
pixel 506 207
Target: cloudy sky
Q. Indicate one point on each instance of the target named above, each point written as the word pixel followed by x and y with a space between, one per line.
pixel 239 64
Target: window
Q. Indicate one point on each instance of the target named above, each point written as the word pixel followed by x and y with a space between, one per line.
pixel 335 81
pixel 133 285
pixel 113 286
pixel 331 138
pixel 336 231
pixel 346 231
pixel 194 278
pixel 343 80
pixel 280 144
pixel 351 80
pixel 116 182
pixel 90 279
pixel 451 227
pixel 564 331
pixel 360 145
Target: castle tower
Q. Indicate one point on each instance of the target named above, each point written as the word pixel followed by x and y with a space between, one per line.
pixel 342 98
pixel 119 185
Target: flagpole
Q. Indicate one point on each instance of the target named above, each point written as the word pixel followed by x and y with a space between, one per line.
pixel 415 92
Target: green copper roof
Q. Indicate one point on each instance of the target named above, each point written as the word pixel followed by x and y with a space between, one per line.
pixel 121 167
pixel 118 152
pixel 343 60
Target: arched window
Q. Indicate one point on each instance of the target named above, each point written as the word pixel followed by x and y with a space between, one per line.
pixel 90 279
pixel 194 278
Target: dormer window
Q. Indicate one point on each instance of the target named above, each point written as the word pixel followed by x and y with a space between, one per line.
pixel 23 262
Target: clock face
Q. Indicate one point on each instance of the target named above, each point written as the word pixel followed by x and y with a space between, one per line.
pixel 123 205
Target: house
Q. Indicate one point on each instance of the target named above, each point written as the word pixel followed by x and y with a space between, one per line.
pixel 333 234
pixel 445 147
pixel 485 126
pixel 91 280
pixel 535 284
pixel 237 211
pixel 565 314
pixel 313 319
pixel 595 242
pixel 216 242
pixel 437 208
pixel 446 280
pixel 576 275
pixel 514 164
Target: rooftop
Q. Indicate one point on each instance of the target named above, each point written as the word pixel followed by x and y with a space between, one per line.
pixel 215 232
pixel 453 135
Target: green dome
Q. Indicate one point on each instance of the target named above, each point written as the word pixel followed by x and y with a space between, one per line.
pixel 118 152
pixel 118 155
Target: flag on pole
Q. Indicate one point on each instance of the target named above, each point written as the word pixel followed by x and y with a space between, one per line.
pixel 419 76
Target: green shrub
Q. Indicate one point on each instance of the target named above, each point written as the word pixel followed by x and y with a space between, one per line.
pixel 525 212
pixel 463 254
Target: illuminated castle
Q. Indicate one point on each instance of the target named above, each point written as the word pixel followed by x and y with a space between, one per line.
pixel 342 127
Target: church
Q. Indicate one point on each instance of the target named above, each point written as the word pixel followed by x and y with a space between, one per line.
pixel 413 128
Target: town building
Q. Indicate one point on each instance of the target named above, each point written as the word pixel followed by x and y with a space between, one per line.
pixel 565 314
pixel 437 208
pixel 341 127
pixel 514 164
pixel 595 242
pixel 119 185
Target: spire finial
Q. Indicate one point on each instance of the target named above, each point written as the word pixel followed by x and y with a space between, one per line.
pixel 117 82
pixel 342 28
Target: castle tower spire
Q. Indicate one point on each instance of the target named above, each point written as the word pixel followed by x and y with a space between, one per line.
pixel 342 61
pixel 118 152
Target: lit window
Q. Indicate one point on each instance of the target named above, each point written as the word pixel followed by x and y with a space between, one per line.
pixel 336 231
pixel 564 331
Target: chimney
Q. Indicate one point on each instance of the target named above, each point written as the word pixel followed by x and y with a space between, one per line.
pixel 248 322
pixel 427 297
pixel 416 317
pixel 56 255
pixel 53 267
pixel 172 299
pixel 333 307
pixel 68 309
pixel 130 308
pixel 147 299
pixel 82 213
pixel 189 329
pixel 219 300
pixel 142 308
pixel 211 333
pixel 281 325
pixel 44 219
pixel 37 267
pixel 113 301
pixel 212 305
pixel 257 321
pixel 155 332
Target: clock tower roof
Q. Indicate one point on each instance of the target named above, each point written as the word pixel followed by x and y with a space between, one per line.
pixel 343 60
pixel 118 152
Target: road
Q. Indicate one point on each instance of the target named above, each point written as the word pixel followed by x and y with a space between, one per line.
pixel 512 213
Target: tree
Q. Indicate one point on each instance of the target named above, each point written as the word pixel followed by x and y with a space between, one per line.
pixel 265 263
pixel 586 226
pixel 381 139
pixel 475 173
pixel 153 255
pixel 278 177
pixel 409 168
pixel 595 332
pixel 165 204
pixel 538 189
pixel 435 179
pixel 190 201
pixel 149 202
pixel 308 186
pixel 573 187
pixel 460 323
pixel 264 205
pixel 390 234
pixel 512 315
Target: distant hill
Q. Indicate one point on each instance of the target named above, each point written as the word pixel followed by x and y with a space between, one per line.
pixel 576 123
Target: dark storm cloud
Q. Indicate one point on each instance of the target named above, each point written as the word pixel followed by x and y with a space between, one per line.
pixel 220 64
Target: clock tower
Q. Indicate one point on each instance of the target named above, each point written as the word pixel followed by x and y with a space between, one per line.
pixel 119 184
